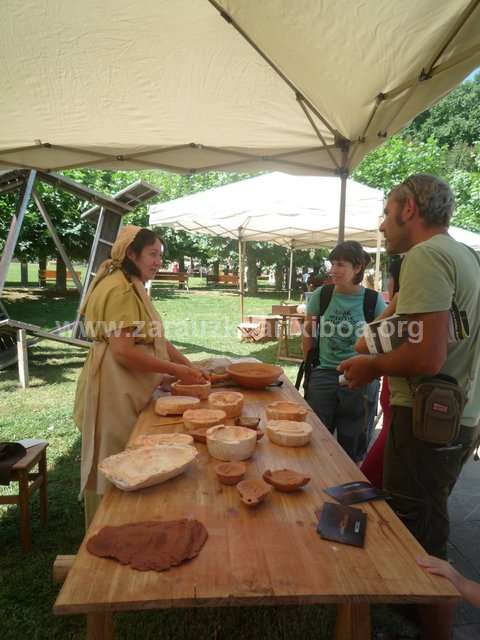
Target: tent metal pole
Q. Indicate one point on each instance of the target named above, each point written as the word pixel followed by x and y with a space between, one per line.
pixel 290 280
pixel 377 259
pixel 343 192
pixel 15 227
pixel 241 251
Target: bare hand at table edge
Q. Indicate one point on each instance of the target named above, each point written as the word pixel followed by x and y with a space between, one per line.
pixel 469 590
pixel 189 375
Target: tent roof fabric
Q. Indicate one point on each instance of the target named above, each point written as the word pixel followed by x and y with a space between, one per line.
pixel 298 212
pixel 290 211
pixel 306 87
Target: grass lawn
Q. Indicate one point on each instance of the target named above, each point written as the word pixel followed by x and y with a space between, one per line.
pixel 199 323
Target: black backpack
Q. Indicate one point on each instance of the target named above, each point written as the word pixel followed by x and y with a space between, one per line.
pixel 306 367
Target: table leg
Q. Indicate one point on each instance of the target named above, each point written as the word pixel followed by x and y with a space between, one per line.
pixel 100 626
pixel 42 469
pixel 24 511
pixel 353 622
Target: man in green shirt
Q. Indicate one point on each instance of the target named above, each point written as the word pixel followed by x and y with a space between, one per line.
pixel 439 283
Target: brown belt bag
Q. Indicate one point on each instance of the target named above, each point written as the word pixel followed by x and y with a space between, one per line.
pixel 438 404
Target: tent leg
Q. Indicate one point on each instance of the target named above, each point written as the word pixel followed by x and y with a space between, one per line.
pixel 15 228
pixel 22 353
pixel 241 281
pixel 343 192
pixel 290 275
pixel 377 259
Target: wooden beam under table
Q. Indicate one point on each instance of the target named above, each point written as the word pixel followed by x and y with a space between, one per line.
pixel 269 555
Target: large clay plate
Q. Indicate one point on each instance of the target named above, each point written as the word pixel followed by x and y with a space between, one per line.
pixel 254 375
pixel 138 468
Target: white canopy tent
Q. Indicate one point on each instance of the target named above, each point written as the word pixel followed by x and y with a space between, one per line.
pixel 297 212
pixel 306 87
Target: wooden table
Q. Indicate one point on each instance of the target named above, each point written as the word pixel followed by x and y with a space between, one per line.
pixel 269 555
pixel 287 313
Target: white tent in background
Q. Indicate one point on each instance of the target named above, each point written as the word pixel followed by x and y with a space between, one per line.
pixel 298 212
pixel 305 87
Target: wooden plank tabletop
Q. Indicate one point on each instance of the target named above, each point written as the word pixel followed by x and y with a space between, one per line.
pixel 270 554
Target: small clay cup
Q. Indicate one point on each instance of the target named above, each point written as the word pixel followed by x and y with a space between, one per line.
pixel 285 480
pixel 252 492
pixel 251 422
pixel 260 435
pixel 200 434
pixel 230 472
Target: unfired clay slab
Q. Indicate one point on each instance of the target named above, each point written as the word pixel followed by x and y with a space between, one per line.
pixel 152 545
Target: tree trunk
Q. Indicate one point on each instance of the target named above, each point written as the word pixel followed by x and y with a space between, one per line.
pixel 61 277
pixel 278 277
pixel 181 263
pixel 216 268
pixel 42 267
pixel 252 285
pixel 24 274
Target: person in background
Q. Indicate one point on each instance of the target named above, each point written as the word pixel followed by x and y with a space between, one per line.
pixel 372 466
pixel 339 408
pixel 128 359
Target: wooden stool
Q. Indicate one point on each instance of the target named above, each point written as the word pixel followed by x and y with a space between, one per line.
pixel 27 484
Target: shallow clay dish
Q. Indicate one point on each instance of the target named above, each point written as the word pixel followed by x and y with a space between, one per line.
pixel 138 468
pixel 253 492
pixel 175 405
pixel 251 422
pixel 203 418
pixel 154 439
pixel 283 410
pixel 285 479
pixel 200 391
pixel 254 375
pixel 230 472
pixel 289 433
pixel 229 401
pixel 231 443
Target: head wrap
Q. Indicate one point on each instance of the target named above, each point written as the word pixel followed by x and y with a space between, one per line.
pixel 119 250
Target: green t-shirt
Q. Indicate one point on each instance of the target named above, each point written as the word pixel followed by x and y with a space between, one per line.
pixel 435 274
pixel 341 325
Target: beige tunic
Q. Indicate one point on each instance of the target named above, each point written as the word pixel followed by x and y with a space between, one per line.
pixel 109 396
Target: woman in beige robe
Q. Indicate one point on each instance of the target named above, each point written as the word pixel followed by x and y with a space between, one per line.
pixel 128 359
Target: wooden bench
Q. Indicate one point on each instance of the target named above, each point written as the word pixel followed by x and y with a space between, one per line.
pixel 224 278
pixel 28 483
pixel 170 276
pixel 44 275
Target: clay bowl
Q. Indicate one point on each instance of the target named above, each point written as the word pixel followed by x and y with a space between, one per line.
pixel 230 472
pixel 154 439
pixel 252 492
pixel 251 422
pixel 175 405
pixel 289 433
pixel 285 480
pixel 231 443
pixel 254 375
pixel 200 391
pixel 229 401
pixel 283 410
pixel 194 419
